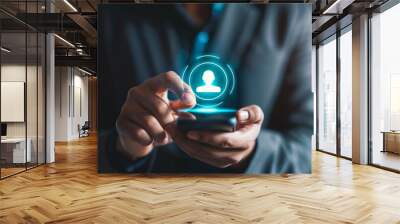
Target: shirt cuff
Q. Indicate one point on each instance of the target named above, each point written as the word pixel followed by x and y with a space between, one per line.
pixel 122 163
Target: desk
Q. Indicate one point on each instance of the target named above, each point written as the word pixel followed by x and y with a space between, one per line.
pixel 13 150
pixel 391 141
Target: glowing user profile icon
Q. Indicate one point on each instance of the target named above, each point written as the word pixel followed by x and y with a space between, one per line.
pixel 211 79
pixel 208 79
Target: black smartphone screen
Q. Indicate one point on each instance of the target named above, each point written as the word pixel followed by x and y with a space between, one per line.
pixel 208 119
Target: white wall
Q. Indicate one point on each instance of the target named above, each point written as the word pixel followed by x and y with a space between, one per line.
pixel 80 111
pixel 12 73
pixel 33 127
pixel 61 103
pixel 16 73
pixel 71 102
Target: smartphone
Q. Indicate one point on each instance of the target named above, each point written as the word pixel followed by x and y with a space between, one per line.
pixel 208 119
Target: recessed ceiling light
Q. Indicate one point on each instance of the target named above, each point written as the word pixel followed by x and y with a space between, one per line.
pixel 84 71
pixel 5 50
pixel 70 5
pixel 337 7
pixel 64 40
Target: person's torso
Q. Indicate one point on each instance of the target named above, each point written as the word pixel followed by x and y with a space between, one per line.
pixel 252 39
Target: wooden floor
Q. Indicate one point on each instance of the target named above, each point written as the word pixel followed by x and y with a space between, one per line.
pixel 387 159
pixel 5 172
pixel 71 191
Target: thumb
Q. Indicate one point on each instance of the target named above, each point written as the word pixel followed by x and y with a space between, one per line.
pixel 250 114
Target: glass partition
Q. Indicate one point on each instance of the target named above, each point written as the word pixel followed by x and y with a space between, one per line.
pixel 14 153
pixel 22 88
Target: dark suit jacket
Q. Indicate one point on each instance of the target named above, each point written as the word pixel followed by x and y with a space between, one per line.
pixel 269 47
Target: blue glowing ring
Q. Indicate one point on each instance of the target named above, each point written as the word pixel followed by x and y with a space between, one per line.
pixel 207 56
pixel 184 71
pixel 213 61
pixel 210 105
pixel 233 79
pixel 226 80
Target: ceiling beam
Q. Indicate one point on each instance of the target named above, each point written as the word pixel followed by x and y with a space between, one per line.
pixel 86 27
pixel 320 22
pixel 337 6
pixel 82 61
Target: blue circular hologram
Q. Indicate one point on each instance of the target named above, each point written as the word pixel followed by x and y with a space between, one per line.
pixel 229 80
pixel 223 71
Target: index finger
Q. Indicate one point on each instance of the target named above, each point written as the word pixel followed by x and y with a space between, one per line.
pixel 171 81
pixel 168 81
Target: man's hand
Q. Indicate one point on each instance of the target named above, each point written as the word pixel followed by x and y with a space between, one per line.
pixel 223 149
pixel 147 111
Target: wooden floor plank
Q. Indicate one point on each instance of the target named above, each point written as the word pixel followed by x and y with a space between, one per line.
pixel 71 191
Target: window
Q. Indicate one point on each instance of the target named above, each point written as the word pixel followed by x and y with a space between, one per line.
pixel 346 93
pixel 335 137
pixel 327 96
pixel 385 89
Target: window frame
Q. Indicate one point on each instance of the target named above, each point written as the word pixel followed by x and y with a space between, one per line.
pixel 333 37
